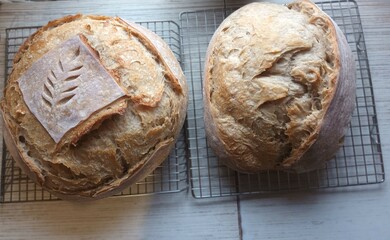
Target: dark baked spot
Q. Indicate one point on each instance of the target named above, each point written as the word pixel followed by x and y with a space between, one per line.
pixel 317 105
pixel 60 170
pixel 107 179
pixel 88 28
pixel 211 94
pixel 86 170
pixel 119 157
pixel 22 139
pixel 341 140
pixel 329 60
pixel 245 84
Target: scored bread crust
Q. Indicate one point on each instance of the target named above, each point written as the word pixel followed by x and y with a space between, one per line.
pixel 301 152
pixel 119 150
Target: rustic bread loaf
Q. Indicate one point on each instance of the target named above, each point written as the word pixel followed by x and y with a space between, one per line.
pixel 279 88
pixel 92 105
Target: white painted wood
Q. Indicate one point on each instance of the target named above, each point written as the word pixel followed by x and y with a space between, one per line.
pixel 169 216
pixel 346 213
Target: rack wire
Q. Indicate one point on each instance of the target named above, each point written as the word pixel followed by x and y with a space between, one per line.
pixel 358 162
pixel 170 176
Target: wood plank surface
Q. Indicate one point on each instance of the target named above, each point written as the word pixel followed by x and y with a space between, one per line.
pixel 355 213
pixel 166 216
pixel 345 213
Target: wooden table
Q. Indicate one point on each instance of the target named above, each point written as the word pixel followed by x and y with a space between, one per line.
pixel 353 213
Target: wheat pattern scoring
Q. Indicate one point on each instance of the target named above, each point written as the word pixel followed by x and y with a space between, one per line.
pixel 61 83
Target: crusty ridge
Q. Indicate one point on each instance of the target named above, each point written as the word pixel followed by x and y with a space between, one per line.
pixel 72 137
pixel 66 75
pixel 320 19
pixel 230 144
pixel 124 148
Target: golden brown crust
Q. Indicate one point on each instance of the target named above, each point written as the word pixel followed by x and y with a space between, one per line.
pixel 267 90
pixel 162 51
pixel 116 151
pixel 58 88
pixel 323 149
pixel 28 167
pixel 307 7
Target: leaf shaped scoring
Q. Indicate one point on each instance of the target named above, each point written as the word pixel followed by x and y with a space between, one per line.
pixel 71 89
pixel 76 68
pixel 71 78
pixel 66 86
pixel 61 66
pixel 56 89
pixel 49 81
pixel 47 100
pixel 65 98
pixel 77 53
pixel 48 89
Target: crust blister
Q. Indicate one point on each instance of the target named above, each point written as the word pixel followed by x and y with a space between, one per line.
pixel 58 87
pixel 291 54
pixel 107 158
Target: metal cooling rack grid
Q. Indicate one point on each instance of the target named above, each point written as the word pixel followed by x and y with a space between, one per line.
pixel 171 176
pixel 359 161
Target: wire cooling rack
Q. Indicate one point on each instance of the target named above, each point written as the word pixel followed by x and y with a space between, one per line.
pixel 171 176
pixel 358 162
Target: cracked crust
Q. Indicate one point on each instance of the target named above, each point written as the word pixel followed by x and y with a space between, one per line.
pixel 120 150
pixel 278 94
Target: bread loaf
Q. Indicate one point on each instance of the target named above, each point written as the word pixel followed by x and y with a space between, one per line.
pixel 92 105
pixel 279 88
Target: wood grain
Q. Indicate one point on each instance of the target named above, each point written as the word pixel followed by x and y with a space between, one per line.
pixel 355 213
pixel 163 216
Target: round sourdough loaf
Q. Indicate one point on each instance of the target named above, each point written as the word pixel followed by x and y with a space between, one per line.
pixel 279 88
pixel 92 105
